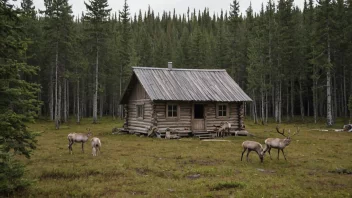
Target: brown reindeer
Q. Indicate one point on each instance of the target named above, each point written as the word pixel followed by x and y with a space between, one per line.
pixel 278 143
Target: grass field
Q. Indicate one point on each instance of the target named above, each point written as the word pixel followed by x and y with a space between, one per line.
pixel 317 165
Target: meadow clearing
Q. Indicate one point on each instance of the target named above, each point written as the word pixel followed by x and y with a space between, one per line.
pixel 319 164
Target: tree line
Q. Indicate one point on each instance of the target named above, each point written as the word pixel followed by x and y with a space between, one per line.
pixel 292 62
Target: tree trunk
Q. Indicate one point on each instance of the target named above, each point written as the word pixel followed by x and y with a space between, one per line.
pixel 68 100
pixel 59 102
pixel 101 105
pixel 292 99
pixel 335 100
pixel 78 106
pixel 95 96
pixel 266 106
pixel 74 91
pixel 65 100
pixel 287 104
pixel 344 91
pixel 280 102
pixel 262 101
pixel 328 90
pixel 277 104
pixel 57 122
pixel 301 100
pixel 255 117
pixel 51 94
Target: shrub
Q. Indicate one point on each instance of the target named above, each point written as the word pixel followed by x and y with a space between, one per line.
pixel 11 173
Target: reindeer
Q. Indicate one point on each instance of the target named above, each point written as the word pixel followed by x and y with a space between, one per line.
pixel 78 137
pixel 96 145
pixel 253 146
pixel 278 143
pixel 223 129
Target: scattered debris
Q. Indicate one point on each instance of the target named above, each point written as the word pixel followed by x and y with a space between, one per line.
pixel 347 127
pixel 266 171
pixel 196 176
pixel 168 135
pixel 152 132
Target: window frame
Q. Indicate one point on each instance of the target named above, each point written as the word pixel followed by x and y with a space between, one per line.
pixel 226 110
pixel 140 117
pixel 177 111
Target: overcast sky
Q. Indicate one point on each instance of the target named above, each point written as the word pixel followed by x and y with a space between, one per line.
pixel 168 5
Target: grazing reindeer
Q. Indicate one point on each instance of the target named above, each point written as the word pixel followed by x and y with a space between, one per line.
pixel 96 145
pixel 278 143
pixel 253 146
pixel 78 137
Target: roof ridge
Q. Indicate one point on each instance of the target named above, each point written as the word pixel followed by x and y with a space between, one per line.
pixel 179 69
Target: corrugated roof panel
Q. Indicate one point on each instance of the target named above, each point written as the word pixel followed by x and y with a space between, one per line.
pixel 189 85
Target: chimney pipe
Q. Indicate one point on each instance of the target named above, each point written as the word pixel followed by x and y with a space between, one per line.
pixel 169 64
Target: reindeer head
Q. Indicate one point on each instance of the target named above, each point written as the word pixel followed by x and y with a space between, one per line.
pixel 261 155
pixel 89 132
pixel 287 139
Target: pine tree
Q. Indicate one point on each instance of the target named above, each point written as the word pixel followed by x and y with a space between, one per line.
pixel 97 13
pixel 57 34
pixel 125 49
pixel 322 54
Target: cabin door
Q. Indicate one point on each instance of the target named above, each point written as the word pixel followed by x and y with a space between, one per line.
pixel 198 117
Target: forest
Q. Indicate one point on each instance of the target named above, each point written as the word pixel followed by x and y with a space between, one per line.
pixel 294 63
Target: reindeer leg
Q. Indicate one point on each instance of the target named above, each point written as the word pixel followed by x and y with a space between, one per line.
pixel 243 153
pixel 283 154
pixel 82 147
pixel 269 152
pixel 70 147
pixel 278 153
pixel 248 154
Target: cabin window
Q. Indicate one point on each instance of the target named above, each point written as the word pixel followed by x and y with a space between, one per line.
pixel 172 111
pixel 222 110
pixel 140 111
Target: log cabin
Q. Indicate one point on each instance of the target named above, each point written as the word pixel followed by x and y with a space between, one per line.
pixel 183 100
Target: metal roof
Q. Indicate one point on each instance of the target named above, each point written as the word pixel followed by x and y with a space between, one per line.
pixel 163 84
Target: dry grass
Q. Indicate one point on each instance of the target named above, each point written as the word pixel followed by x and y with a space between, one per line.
pixel 144 167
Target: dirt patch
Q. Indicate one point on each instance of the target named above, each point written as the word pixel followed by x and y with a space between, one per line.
pixel 227 185
pixel 343 171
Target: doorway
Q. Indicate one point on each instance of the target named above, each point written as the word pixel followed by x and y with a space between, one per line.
pixel 198 117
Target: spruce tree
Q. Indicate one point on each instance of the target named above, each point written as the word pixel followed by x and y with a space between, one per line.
pixel 18 102
pixel 97 14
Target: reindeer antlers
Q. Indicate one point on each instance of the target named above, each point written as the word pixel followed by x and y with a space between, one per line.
pixel 297 131
pixel 283 131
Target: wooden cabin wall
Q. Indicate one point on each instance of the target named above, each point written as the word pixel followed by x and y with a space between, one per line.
pixel 182 122
pixel 139 97
pixel 233 118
